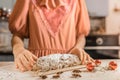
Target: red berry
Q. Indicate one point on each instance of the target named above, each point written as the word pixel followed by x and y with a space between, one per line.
pixel 112 65
pixel 97 62
pixel 90 66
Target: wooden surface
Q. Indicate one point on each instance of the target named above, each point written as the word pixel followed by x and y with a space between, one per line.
pixel 8 72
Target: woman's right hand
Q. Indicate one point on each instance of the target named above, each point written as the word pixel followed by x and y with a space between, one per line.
pixel 24 60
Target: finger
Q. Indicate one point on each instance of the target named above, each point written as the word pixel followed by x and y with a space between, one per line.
pixel 34 57
pixel 80 56
pixel 90 59
pixel 15 62
pixel 16 65
pixel 20 66
pixel 30 59
pixel 84 58
pixel 26 63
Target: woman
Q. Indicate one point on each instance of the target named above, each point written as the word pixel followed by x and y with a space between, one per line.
pixel 52 26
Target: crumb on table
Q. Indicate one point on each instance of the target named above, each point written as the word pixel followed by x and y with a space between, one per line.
pixel 56 76
pixel 76 71
pixel 76 75
pixel 59 72
pixel 43 76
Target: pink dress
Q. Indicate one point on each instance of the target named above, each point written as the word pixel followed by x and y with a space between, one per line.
pixel 50 31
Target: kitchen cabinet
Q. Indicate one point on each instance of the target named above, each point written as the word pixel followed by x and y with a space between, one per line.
pixel 103 46
pixel 7 3
pixel 97 8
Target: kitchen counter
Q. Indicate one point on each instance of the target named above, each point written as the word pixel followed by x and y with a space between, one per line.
pixel 8 72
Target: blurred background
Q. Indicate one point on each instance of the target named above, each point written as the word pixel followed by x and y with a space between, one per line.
pixel 103 42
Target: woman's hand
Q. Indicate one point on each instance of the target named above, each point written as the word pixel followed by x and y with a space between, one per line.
pixel 24 60
pixel 83 56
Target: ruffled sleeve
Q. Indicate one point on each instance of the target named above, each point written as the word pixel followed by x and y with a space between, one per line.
pixel 83 23
pixel 18 21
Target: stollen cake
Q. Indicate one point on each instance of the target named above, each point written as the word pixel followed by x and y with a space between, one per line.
pixel 56 61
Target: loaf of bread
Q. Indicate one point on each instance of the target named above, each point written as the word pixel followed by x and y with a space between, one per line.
pixel 56 61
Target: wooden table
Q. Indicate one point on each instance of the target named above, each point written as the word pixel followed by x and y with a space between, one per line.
pixel 8 72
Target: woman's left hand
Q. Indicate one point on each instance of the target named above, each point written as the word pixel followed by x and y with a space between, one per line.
pixel 83 56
